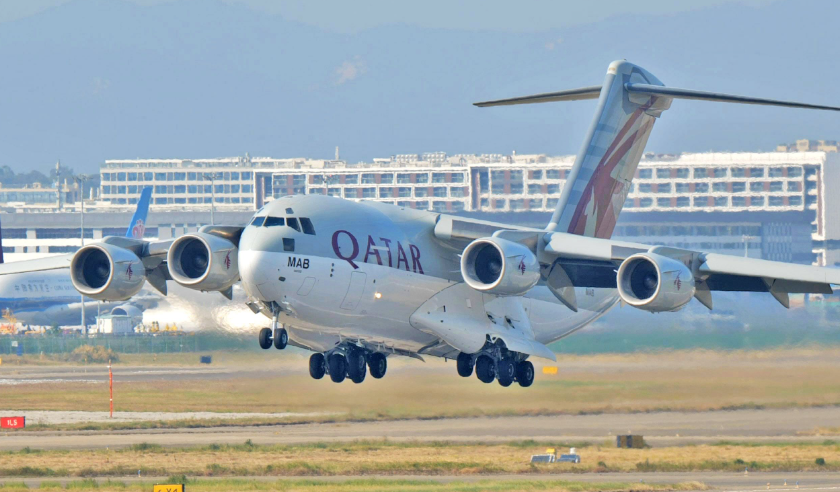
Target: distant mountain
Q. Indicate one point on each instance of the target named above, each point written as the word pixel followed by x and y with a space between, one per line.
pixel 97 79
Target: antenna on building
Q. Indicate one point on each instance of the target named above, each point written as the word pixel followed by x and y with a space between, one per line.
pixel 58 182
pixel 336 152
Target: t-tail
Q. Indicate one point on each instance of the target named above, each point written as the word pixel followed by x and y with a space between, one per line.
pixel 629 102
pixel 137 226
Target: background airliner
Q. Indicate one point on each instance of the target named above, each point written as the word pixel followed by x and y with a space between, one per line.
pixel 47 298
pixel 357 282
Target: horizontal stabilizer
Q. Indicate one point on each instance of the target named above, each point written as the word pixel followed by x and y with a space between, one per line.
pixel 592 92
pixel 673 92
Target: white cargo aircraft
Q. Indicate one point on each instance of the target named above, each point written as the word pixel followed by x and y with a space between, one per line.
pixel 356 282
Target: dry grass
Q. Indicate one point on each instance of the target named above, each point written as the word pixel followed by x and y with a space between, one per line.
pixel 694 380
pixel 374 485
pixel 390 458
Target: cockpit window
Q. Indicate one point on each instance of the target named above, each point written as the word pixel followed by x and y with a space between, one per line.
pixel 257 221
pixel 293 223
pixel 308 228
pixel 274 221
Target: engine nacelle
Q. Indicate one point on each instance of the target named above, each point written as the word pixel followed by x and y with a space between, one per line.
pixel 127 310
pixel 498 266
pixel 106 272
pixel 203 261
pixel 654 282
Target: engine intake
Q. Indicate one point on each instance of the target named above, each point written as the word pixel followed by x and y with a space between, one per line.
pixel 499 266
pixel 106 272
pixel 654 282
pixel 203 261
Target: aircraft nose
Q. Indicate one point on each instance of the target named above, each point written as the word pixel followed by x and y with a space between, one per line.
pixel 254 270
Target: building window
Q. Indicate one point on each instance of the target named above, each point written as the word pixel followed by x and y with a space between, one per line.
pixel 534 189
pixel 422 178
pixel 681 187
pixel 757 201
pixel 403 178
pixel 756 172
pixel 552 174
pixel 499 203
pixel 456 192
pixel 739 201
pixel 663 173
pixel 701 187
pixel 498 187
pixel 739 172
pixel 386 178
pixel 421 192
pixel 438 177
pixel 439 191
pixel 701 201
pixel 720 172
pixel 386 192
pixel 664 188
pixel 739 187
pixel 404 192
pixel 683 201
pixel 794 172
pixel 776 185
pixel 645 187
pixel 756 186
pixel 777 201
pixel 795 201
pixel 516 176
pixel 682 173
pixel 538 174
pixel 794 186
pixel 552 189
pixel 645 202
pixel 518 204
pixel 439 206
pixel 663 202
pixel 700 173
pixel 351 179
pixel 516 188
pixel 721 201
pixel 368 192
pixel 551 203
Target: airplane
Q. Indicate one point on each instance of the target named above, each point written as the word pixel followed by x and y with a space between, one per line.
pixel 46 298
pixel 357 282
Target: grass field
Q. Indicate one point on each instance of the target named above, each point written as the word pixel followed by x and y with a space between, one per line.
pixel 367 485
pixel 687 380
pixel 412 458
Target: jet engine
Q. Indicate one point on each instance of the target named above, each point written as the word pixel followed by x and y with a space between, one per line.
pixel 203 261
pixel 654 282
pixel 106 272
pixel 127 310
pixel 498 266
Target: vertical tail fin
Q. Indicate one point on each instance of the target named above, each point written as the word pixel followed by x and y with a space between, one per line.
pixel 137 226
pixel 628 104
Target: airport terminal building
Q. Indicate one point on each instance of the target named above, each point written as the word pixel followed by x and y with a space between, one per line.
pixel 771 205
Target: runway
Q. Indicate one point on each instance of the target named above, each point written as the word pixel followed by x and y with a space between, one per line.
pixel 658 428
pixel 730 482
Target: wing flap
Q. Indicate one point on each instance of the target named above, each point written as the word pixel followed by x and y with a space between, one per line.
pixel 714 263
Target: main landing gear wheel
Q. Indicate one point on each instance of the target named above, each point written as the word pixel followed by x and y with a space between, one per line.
pixel 317 366
pixel 338 368
pixel 525 373
pixel 485 369
pixel 265 338
pixel 465 365
pixel 507 372
pixel 378 365
pixel 356 365
pixel 281 338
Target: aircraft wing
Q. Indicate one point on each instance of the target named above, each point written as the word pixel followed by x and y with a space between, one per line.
pixel 593 262
pixel 39 265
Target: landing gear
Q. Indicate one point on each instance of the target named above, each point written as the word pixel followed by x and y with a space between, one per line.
pixel 525 373
pixel 281 338
pixel 356 365
pixel 485 369
pixel 317 366
pixel 265 338
pixel 378 365
pixel 506 372
pixel 338 367
pixel 465 365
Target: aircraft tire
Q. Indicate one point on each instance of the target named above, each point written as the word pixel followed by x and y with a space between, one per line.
pixel 281 338
pixel 507 372
pixel 338 368
pixel 525 373
pixel 465 365
pixel 317 366
pixel 485 369
pixel 265 338
pixel 378 365
pixel 356 365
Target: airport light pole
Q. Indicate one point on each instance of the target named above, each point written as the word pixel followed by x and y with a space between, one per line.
pixel 81 180
pixel 212 180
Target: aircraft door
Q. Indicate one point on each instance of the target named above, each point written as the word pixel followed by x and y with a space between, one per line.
pixel 354 291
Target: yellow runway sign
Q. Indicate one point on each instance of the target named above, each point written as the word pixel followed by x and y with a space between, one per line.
pixel 168 488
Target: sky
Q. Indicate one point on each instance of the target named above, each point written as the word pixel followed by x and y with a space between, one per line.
pixel 89 80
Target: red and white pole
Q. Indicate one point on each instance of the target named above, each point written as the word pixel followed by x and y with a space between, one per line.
pixel 111 387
